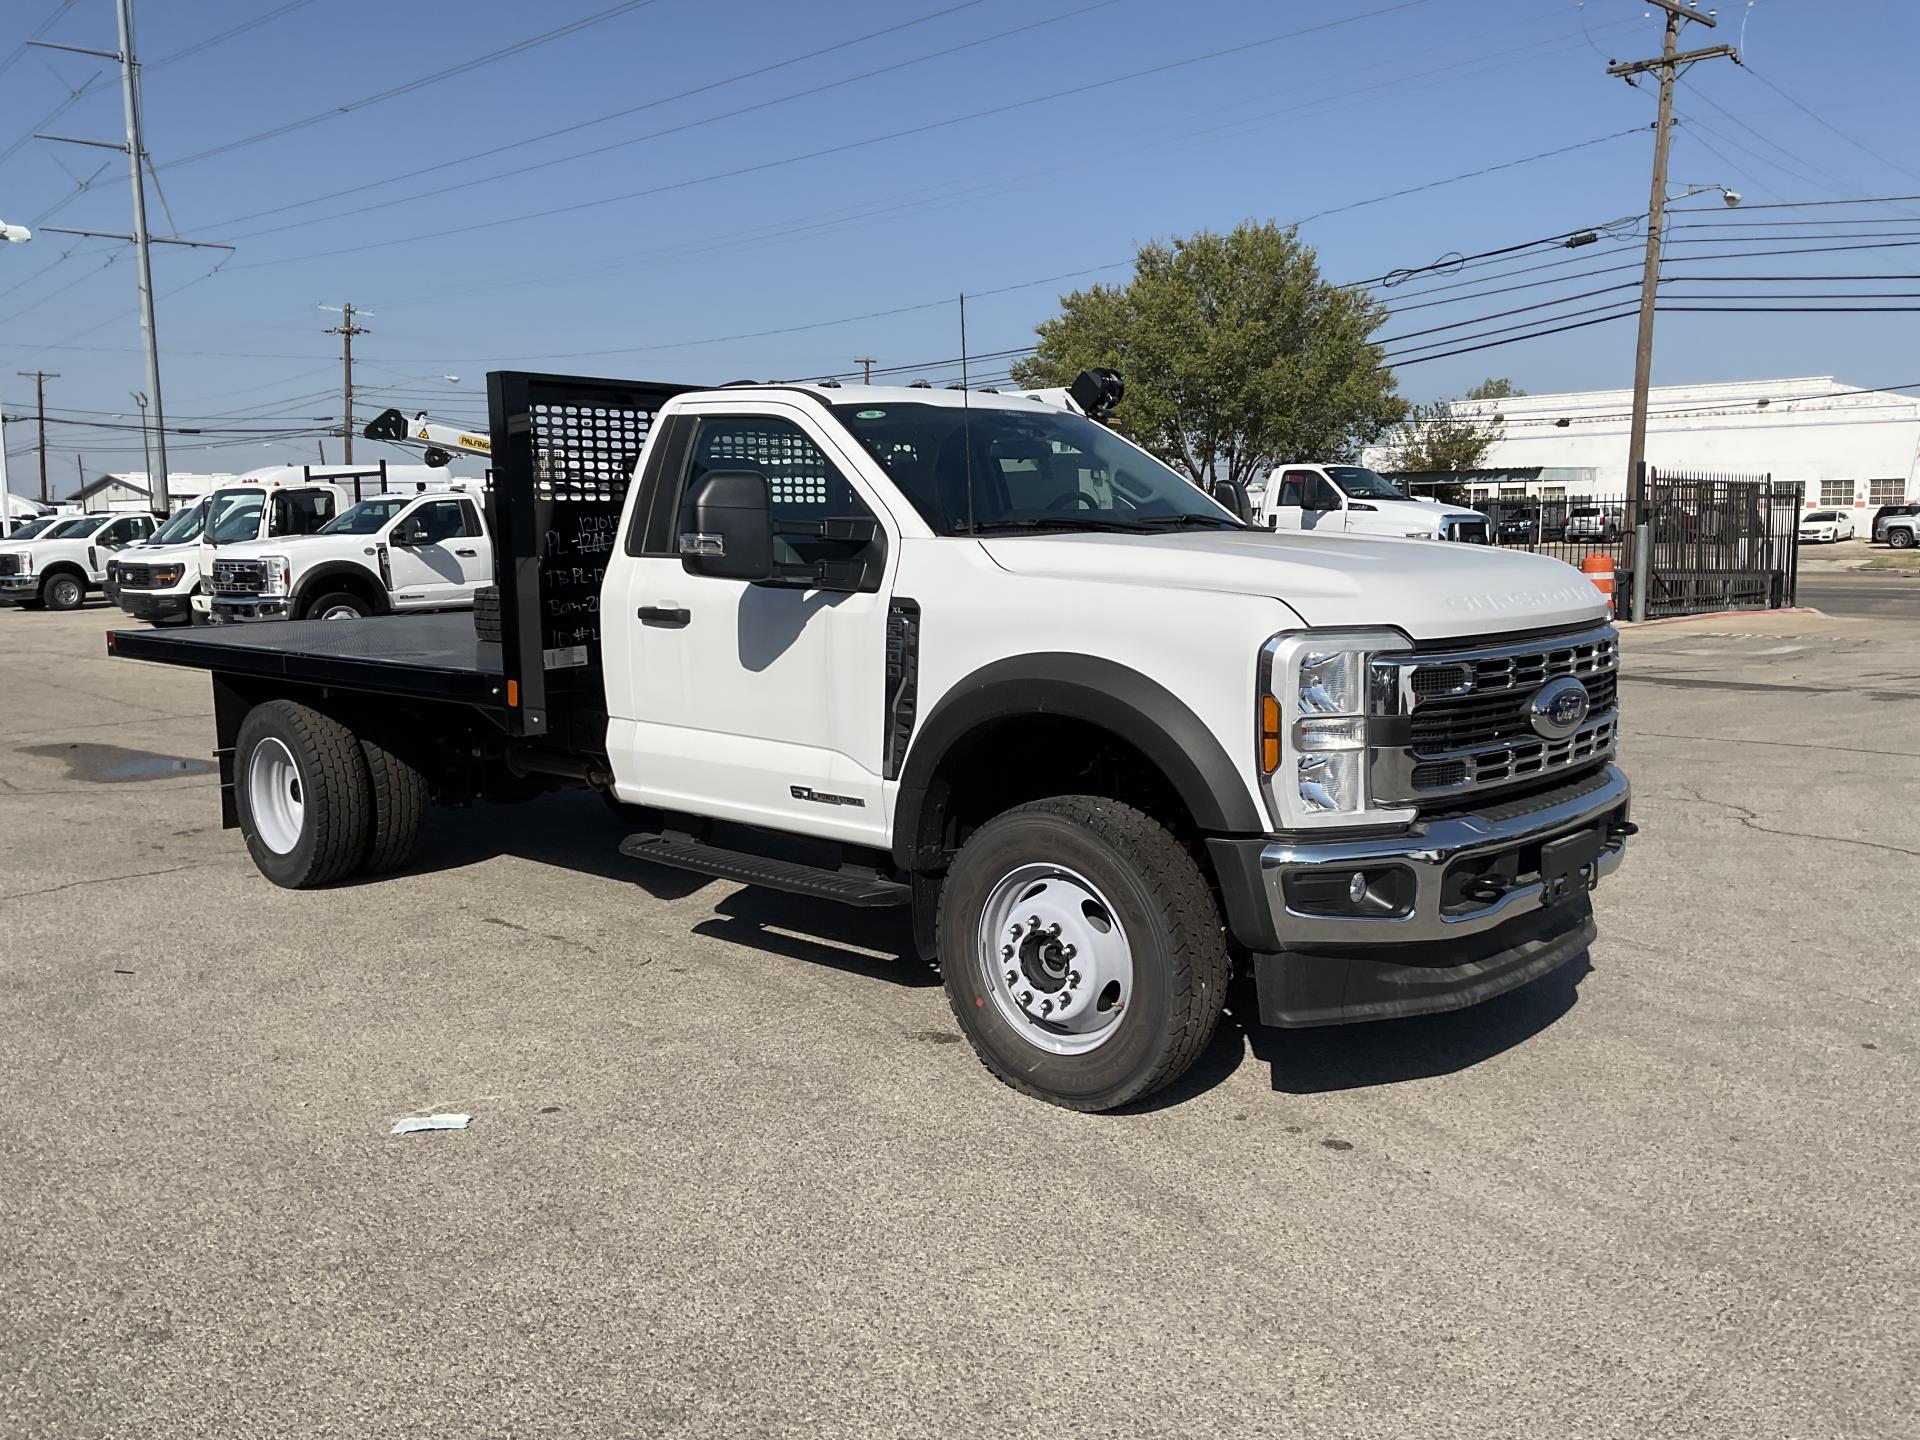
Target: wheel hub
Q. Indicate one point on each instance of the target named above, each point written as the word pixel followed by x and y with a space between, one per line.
pixel 1055 959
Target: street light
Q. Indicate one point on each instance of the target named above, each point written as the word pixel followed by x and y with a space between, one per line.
pixel 1729 198
pixel 17 234
pixel 140 399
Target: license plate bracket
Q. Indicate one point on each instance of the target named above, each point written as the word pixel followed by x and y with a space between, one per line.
pixel 1571 864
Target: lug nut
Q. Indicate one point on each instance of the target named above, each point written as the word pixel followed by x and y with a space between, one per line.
pixel 1034 921
pixel 1064 998
pixel 1006 952
pixel 1073 979
pixel 1070 951
pixel 1012 976
pixel 1026 997
pixel 1015 932
pixel 1054 929
pixel 1046 1007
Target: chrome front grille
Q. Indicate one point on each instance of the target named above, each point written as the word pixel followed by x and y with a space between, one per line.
pixel 1447 724
pixel 239 577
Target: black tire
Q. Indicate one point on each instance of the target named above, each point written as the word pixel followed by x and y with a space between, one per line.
pixel 1160 898
pixel 334 791
pixel 63 590
pixel 336 600
pixel 486 613
pixel 1900 538
pixel 400 801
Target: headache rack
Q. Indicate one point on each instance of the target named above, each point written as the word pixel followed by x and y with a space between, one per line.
pixel 564 448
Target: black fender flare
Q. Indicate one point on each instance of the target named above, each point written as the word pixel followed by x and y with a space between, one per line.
pixel 315 583
pixel 1101 692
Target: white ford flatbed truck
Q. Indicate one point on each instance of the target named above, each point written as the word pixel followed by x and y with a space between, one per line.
pixel 976 655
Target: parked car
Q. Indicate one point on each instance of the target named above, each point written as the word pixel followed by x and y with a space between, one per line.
pixel 1591 522
pixel 1825 527
pixel 68 560
pixel 1901 529
pixel 1877 531
pixel 1518 527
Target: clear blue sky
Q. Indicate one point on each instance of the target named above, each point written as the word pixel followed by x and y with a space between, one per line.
pixel 1402 96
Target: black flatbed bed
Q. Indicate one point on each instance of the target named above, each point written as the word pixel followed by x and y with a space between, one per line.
pixel 434 656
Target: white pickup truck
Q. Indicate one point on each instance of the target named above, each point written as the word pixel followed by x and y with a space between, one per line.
pixel 1353 500
pixel 977 656
pixel 157 579
pixel 424 549
pixel 59 567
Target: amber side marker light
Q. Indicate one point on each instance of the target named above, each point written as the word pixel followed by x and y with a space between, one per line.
pixel 1269 734
pixel 513 694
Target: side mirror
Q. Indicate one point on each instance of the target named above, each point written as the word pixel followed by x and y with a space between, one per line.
pixel 726 526
pixel 1233 495
pixel 410 535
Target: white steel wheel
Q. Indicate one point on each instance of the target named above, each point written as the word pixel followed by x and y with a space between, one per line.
pixel 1055 959
pixel 274 793
pixel 64 593
pixel 339 611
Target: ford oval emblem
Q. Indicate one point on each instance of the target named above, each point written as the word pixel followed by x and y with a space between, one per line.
pixel 1557 708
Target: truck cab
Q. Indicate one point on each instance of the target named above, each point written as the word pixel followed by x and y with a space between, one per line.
pixel 157 580
pixel 422 549
pixel 1353 500
pixel 67 561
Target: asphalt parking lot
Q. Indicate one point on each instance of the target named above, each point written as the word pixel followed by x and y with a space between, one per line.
pixel 732 1173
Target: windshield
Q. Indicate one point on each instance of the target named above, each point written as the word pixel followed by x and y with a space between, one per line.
pixel 1363 484
pixel 236 515
pixel 184 526
pixel 997 469
pixel 364 518
pixel 32 528
pixel 1820 517
pixel 80 525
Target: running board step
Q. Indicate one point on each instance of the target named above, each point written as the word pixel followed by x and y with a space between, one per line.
pixel 849 887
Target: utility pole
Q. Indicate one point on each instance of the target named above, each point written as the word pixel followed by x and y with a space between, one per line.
pixel 865 362
pixel 135 149
pixel 1672 58
pixel 80 464
pixel 40 378
pixel 346 330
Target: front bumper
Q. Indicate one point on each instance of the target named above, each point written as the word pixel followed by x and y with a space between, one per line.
pixel 1466 906
pixel 225 610
pixel 148 605
pixel 19 587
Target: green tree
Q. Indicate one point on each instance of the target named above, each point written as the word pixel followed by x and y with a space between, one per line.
pixel 1438 436
pixel 1236 355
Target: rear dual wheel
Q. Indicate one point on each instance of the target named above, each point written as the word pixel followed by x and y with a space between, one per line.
pixel 317 803
pixel 1082 952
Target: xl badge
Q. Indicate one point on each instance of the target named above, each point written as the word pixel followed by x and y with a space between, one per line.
pixel 1557 708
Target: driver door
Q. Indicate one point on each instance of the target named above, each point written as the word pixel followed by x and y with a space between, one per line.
pixel 429 574
pixel 758 702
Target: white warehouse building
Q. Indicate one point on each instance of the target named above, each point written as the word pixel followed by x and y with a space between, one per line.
pixel 1850 447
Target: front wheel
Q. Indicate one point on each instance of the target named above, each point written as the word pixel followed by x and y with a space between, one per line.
pixel 337 605
pixel 62 592
pixel 1082 952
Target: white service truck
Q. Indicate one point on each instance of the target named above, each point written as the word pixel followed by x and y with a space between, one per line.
pixel 977 656
pixel 59 567
pixel 1353 500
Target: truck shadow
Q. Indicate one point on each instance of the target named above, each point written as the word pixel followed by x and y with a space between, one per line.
pixel 877 942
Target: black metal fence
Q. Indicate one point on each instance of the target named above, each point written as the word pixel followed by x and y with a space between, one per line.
pixel 1715 541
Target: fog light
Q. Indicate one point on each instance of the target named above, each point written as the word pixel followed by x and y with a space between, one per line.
pixel 1357 887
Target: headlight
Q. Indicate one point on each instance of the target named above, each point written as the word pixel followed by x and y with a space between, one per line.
pixel 26 562
pixel 275 569
pixel 165 575
pixel 1311 714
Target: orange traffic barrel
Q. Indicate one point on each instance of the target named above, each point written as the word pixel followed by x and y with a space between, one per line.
pixel 1598 568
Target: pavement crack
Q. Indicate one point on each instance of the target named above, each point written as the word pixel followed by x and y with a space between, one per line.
pixel 1751 820
pixel 106 880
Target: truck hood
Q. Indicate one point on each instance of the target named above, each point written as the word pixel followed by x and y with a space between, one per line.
pixel 1430 589
pixel 160 554
pixel 45 550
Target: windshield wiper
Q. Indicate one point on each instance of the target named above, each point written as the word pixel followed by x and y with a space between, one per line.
pixel 1056 522
pixel 1210 522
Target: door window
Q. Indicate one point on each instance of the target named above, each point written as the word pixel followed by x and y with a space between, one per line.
pixel 1293 487
pixel 1320 494
pixel 117 535
pixel 441 520
pixel 817 516
pixel 299 512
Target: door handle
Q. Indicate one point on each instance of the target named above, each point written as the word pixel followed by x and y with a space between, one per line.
pixel 468 553
pixel 664 615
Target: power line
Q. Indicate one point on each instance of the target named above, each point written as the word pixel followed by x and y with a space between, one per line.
pixel 608 118
pixel 1167 67
pixel 1820 120
pixel 433 77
